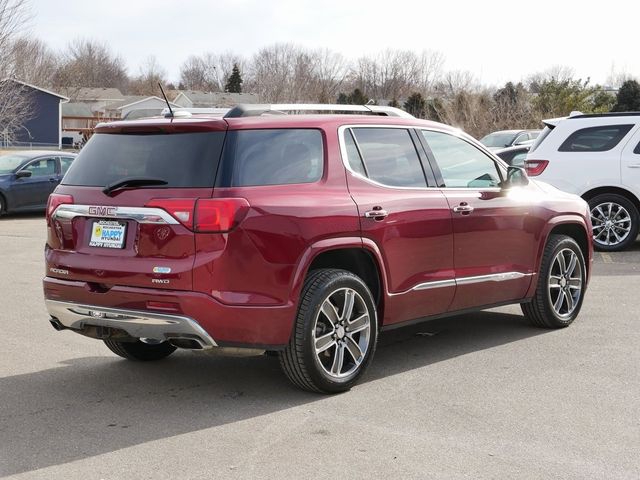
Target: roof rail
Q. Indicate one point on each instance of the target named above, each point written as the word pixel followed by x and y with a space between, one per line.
pixel 187 112
pixel 255 110
pixel 606 114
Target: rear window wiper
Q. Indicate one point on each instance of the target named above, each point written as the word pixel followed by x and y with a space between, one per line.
pixel 129 182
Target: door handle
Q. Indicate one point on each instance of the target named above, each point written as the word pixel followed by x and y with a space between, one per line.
pixel 376 213
pixel 634 165
pixel 53 180
pixel 463 208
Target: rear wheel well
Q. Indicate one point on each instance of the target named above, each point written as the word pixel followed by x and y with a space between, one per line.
pixel 615 190
pixel 578 233
pixel 355 260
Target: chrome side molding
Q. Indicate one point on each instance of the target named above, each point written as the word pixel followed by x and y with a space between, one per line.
pixel 494 277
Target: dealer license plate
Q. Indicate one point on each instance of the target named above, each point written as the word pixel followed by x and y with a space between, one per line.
pixel 108 234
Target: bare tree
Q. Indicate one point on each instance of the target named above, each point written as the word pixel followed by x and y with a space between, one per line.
pixel 14 15
pixel 146 83
pixel 15 102
pixel 16 108
pixel 88 63
pixel 32 61
pixel 396 74
pixel 209 72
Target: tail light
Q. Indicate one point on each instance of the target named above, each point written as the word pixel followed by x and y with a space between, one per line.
pixel 204 215
pixel 179 208
pixel 55 200
pixel 535 167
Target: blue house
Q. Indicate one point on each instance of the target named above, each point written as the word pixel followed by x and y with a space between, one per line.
pixel 44 128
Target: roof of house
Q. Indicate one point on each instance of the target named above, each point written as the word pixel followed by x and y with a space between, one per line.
pixel 92 94
pixel 76 109
pixel 44 90
pixel 130 100
pixel 217 99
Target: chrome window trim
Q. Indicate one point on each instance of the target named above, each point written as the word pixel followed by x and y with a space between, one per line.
pixel 155 216
pixel 501 164
pixel 345 160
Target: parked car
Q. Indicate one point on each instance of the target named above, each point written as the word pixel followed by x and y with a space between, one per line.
pixel 514 155
pixel 508 138
pixel 28 177
pixel 597 157
pixel 304 235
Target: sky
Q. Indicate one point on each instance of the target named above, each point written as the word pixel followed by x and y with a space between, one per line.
pixel 496 40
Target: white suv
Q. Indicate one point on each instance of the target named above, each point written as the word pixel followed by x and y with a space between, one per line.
pixel 597 157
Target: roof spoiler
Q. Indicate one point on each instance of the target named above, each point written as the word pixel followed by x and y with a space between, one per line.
pixel 255 110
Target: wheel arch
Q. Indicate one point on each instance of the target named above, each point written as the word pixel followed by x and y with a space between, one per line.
pixel 574 227
pixel 351 254
pixel 628 194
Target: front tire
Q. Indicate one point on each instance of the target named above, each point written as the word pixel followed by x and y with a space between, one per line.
pixel 561 285
pixel 140 351
pixel 615 222
pixel 3 206
pixel 335 334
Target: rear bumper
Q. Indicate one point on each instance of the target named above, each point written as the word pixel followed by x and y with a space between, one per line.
pixel 138 324
pixel 226 325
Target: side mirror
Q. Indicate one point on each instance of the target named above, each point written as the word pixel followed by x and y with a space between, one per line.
pixel 23 174
pixel 516 177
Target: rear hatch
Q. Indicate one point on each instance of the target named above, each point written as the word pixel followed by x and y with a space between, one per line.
pixel 124 212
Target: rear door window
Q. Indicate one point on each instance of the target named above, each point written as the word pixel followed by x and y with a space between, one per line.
pixel 637 149
pixel 390 156
pixel 180 159
pixel 461 164
pixel 595 139
pixel 272 157
pixel 65 163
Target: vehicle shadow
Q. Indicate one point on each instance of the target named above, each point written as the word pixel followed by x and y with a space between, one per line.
pixel 95 405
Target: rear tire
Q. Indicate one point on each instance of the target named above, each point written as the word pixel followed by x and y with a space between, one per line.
pixel 140 351
pixel 3 206
pixel 335 334
pixel 561 285
pixel 615 222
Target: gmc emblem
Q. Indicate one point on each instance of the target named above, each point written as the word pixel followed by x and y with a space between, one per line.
pixel 103 211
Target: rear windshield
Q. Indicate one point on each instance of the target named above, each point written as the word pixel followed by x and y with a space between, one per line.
pixel 271 157
pixel 181 159
pixel 540 138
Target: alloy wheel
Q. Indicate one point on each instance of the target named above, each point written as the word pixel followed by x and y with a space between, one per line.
pixel 611 223
pixel 565 282
pixel 342 333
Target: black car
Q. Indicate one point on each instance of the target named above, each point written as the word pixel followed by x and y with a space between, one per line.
pixel 28 177
pixel 514 155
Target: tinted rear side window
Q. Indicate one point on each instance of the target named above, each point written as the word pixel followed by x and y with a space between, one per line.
pixel 181 159
pixel 390 156
pixel 272 157
pixel 595 139
pixel 637 149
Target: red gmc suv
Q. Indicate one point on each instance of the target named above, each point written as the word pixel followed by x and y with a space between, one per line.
pixel 301 234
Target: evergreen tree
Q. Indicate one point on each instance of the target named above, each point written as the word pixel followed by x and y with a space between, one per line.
pixel 234 83
pixel 628 99
pixel 343 99
pixel 416 105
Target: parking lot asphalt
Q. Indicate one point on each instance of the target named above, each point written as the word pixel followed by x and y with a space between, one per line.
pixel 476 396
